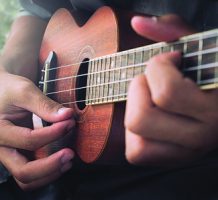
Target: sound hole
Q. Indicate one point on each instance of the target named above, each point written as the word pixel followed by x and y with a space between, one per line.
pixel 81 83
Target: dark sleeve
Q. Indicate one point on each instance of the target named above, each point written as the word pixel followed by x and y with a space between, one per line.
pixel 43 8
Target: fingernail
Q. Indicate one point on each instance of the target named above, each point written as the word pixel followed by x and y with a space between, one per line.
pixel 143 19
pixel 67 158
pixel 62 110
pixel 66 167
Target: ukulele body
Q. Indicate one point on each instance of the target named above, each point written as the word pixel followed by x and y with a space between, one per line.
pixel 99 135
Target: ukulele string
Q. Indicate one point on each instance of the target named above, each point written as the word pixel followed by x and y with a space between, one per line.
pixel 99 99
pixel 122 96
pixel 136 50
pixel 190 55
pixel 193 69
pixel 93 86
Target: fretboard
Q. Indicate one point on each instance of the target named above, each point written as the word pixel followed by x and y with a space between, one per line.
pixel 109 76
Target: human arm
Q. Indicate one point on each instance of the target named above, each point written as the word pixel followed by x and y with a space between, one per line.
pixel 173 121
pixel 19 98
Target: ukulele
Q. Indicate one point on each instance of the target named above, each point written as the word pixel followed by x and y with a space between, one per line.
pixel 89 68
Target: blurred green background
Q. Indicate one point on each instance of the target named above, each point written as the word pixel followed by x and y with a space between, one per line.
pixel 8 11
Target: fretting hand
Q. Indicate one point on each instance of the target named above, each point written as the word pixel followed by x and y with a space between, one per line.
pixel 173 121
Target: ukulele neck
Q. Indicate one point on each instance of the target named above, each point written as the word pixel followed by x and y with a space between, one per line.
pixel 109 76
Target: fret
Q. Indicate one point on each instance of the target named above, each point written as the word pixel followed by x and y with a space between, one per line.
pixel 216 67
pixel 210 42
pixel 189 62
pixel 99 81
pixel 192 46
pixel 147 55
pixel 111 79
pixel 166 48
pixel 91 89
pixel 145 58
pixel 156 51
pixel 185 48
pixel 107 78
pixel 200 46
pixel 207 74
pixel 123 84
pixel 138 60
pixel 88 89
pixel 179 47
pixel 103 68
pixel 133 68
pixel 209 58
pixel 130 69
pixel 94 80
pixel 117 72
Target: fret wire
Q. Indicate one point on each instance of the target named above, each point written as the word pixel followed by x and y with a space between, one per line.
pixel 98 78
pixel 126 71
pixel 200 47
pixel 111 77
pixel 134 60
pixel 171 48
pixel 116 76
pixel 92 75
pixel 102 78
pixel 107 76
pixel 119 73
pixel 94 80
pixel 216 60
pixel 88 81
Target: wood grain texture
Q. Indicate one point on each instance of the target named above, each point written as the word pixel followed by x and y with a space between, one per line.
pixel 99 133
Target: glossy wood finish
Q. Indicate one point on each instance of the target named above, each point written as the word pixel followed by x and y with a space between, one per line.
pixel 99 133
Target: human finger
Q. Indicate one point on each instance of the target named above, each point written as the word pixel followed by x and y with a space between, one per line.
pixel 29 171
pixel 165 28
pixel 149 121
pixel 43 181
pixel 28 139
pixel 173 92
pixel 142 151
pixel 27 96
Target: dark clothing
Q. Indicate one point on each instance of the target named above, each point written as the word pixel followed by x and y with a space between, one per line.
pixel 198 180
pixel 200 13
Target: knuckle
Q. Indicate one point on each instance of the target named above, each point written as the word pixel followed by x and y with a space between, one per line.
pixel 46 104
pixel 22 176
pixel 24 85
pixel 165 96
pixel 29 142
pixel 133 154
pixel 136 151
pixel 134 119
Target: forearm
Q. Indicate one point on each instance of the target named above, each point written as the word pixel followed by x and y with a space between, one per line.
pixel 20 53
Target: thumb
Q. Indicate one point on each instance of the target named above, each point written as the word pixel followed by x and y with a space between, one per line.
pixel 47 109
pixel 165 28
